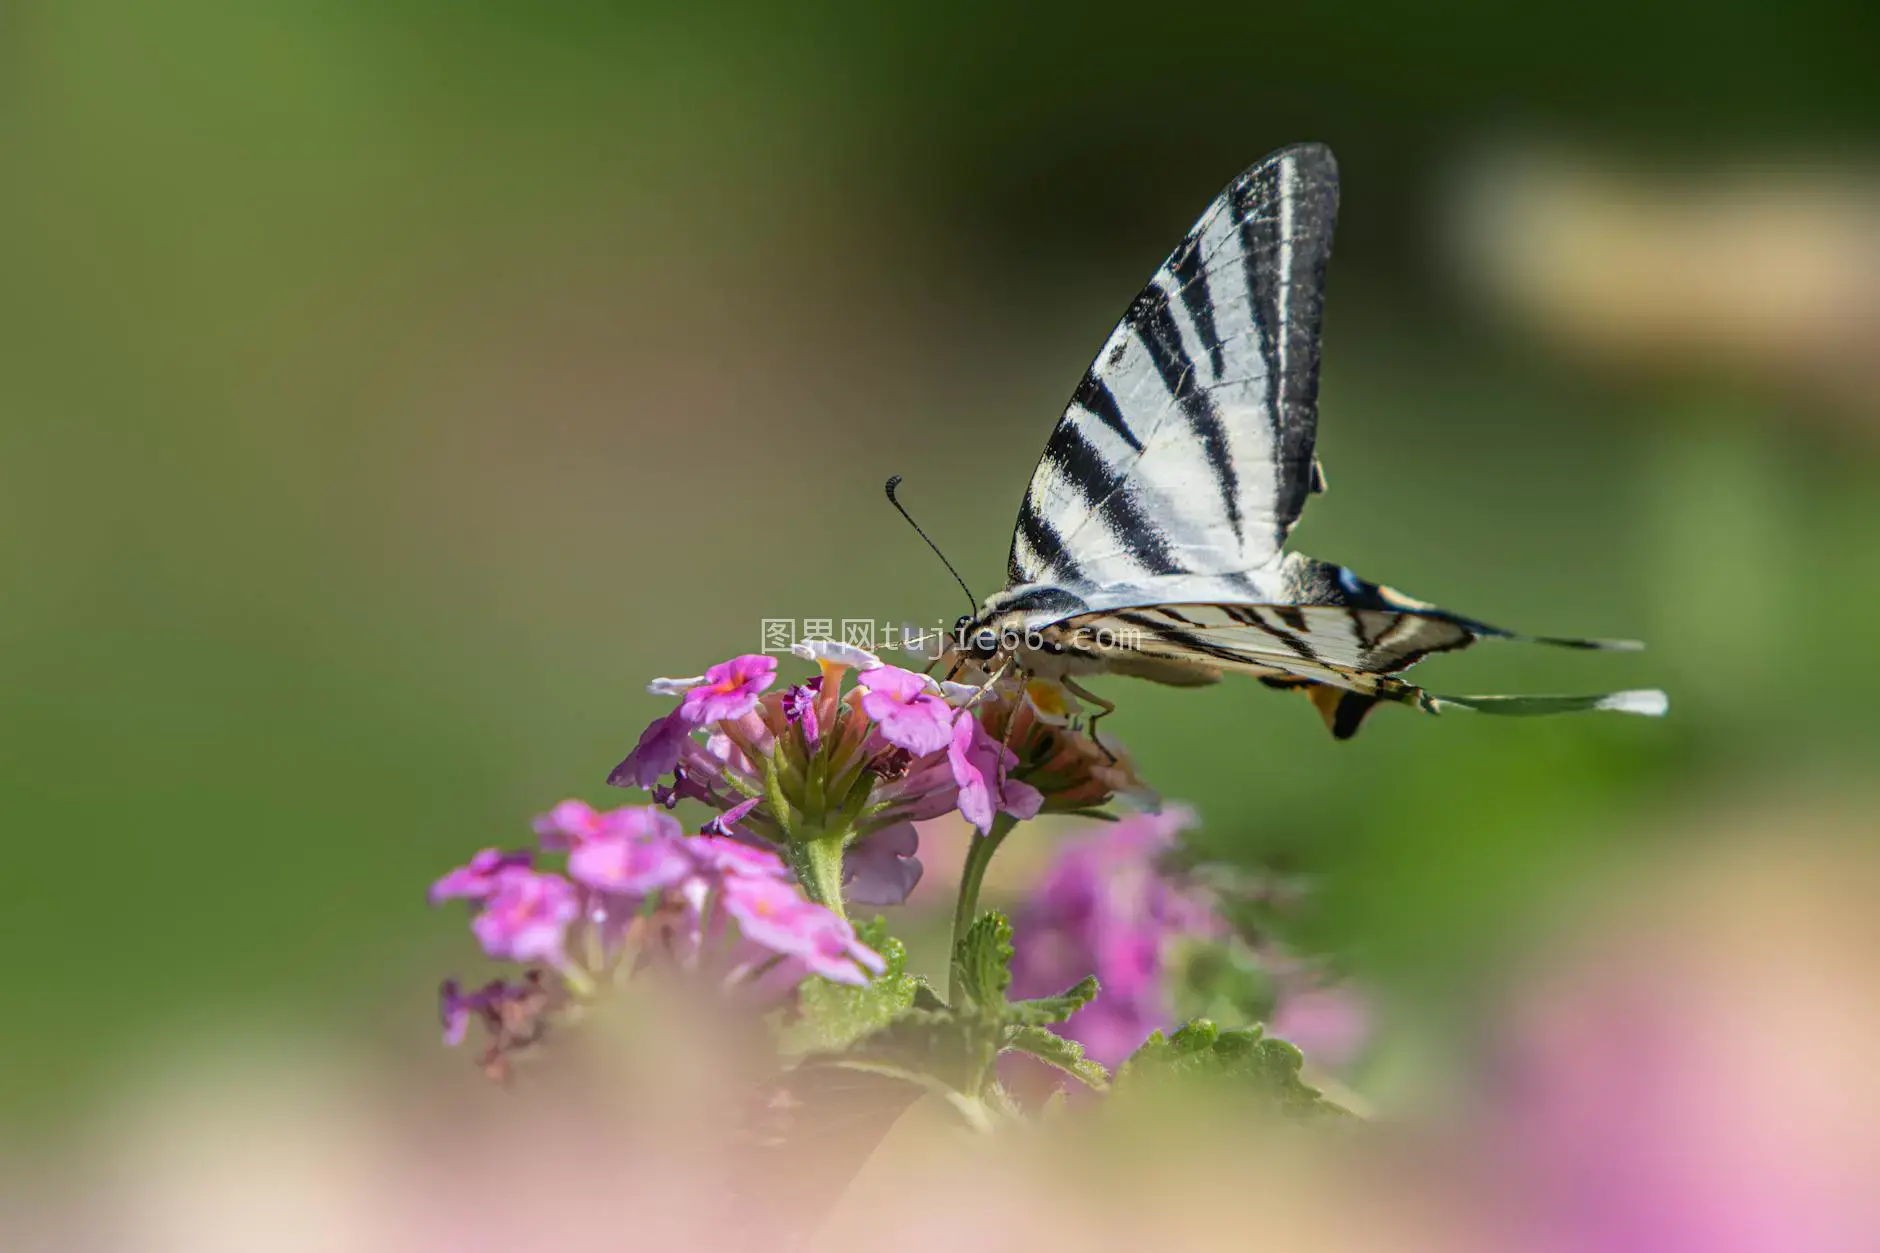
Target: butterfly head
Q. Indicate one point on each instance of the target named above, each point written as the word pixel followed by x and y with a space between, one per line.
pixel 975 638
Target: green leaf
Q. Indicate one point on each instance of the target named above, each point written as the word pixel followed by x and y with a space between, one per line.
pixel 1048 1009
pixel 1066 1055
pixel 925 1046
pixel 982 964
pixel 1244 1058
pixel 926 998
pixel 832 1016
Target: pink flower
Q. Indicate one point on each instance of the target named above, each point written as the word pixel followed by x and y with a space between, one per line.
pixel 907 709
pixel 722 824
pixel 723 855
pixel 1104 909
pixel 657 754
pixel 456 1007
pixel 776 916
pixel 637 851
pixel 770 913
pixel 881 869
pixel 730 690
pixel 567 825
pixel 979 764
pixel 837 955
pixel 477 879
pixel 526 917
pixel 799 709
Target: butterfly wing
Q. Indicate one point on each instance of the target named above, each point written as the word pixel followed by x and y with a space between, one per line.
pixel 1344 657
pixel 1160 508
pixel 1188 448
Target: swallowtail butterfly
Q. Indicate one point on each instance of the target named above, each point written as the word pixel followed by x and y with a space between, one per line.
pixel 1151 541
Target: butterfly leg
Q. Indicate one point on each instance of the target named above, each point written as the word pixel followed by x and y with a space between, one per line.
pixel 992 682
pixel 1104 709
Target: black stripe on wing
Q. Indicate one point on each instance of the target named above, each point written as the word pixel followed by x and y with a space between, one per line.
pixel 1286 209
pixel 1100 484
pixel 1095 395
pixel 1154 322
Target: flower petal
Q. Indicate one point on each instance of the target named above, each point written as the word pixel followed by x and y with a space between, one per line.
pixel 731 689
pixel 478 878
pixel 527 917
pixel 835 653
pixel 658 751
pixel 881 869
pixel 567 824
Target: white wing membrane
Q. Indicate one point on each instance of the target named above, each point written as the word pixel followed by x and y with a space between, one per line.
pixel 1188 446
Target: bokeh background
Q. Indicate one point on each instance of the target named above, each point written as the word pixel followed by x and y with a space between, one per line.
pixel 386 392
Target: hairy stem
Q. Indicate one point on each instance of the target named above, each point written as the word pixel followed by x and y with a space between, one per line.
pixel 818 866
pixel 972 876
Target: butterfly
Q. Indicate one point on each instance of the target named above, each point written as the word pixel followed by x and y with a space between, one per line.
pixel 1151 541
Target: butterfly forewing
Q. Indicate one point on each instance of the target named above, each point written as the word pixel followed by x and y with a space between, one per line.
pixel 1188 446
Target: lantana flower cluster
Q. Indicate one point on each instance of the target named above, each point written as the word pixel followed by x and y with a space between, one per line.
pixel 833 772
pixel 634 891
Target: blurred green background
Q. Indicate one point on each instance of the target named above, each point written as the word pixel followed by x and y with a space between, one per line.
pixel 389 390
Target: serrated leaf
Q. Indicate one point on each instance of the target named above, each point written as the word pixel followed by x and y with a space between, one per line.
pixel 982 963
pixel 1245 1058
pixel 1066 1055
pixel 926 998
pixel 1043 1010
pixel 831 1016
pixel 934 1044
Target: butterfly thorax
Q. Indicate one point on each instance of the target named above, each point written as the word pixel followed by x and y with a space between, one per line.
pixel 1050 632
pixel 1024 627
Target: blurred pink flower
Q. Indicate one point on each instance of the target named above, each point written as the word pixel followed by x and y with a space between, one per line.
pixel 775 915
pixel 476 879
pixel 634 851
pixel 726 855
pixel 566 825
pixel 526 917
pixel 643 895
pixel 1104 909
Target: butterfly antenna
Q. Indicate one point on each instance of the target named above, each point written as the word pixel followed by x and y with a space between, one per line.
pixel 896 482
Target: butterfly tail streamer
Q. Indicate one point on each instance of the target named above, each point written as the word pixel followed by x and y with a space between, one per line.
pixel 1648 702
pixel 1344 711
pixel 1562 641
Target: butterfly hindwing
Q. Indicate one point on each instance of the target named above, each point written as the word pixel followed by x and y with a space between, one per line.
pixel 1344 658
pixel 1189 445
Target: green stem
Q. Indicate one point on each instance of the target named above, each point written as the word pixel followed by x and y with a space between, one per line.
pixel 972 876
pixel 818 866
